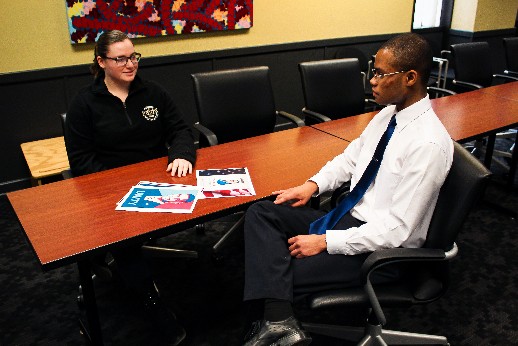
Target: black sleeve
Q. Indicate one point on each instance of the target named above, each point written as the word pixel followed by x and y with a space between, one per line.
pixel 180 141
pixel 79 134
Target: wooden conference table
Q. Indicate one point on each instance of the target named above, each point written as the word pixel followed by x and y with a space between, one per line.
pixel 465 116
pixel 70 220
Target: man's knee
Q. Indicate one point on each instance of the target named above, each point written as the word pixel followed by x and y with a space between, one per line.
pixel 257 212
pixel 260 208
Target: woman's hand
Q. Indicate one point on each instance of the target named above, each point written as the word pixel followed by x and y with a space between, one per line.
pixel 180 167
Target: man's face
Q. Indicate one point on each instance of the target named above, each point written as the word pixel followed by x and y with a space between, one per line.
pixel 388 89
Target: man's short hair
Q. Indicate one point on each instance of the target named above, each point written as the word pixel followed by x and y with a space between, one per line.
pixel 411 52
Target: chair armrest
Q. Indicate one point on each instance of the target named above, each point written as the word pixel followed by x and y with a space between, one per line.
pixel 441 90
pixel 471 86
pixel 340 193
pixel 67 174
pixel 383 257
pixel 293 118
pixel 316 116
pixel 380 258
pixel 375 105
pixel 371 101
pixel 504 76
pixel 511 73
pixel 445 53
pixel 208 134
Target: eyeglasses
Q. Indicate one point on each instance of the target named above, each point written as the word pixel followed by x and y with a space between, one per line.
pixel 123 60
pixel 377 75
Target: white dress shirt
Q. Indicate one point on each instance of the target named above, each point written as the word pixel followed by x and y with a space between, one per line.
pixel 398 206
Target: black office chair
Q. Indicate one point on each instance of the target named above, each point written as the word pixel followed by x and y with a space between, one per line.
pixel 236 104
pixel 232 105
pixel 333 89
pixel 473 71
pixel 427 273
pixel 511 56
pixel 352 52
pixel 472 65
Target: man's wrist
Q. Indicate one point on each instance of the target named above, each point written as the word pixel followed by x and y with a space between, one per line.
pixel 313 186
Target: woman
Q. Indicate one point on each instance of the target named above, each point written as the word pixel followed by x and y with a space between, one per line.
pixel 118 120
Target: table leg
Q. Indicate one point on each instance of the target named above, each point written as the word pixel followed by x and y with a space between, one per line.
pixel 92 316
pixel 489 150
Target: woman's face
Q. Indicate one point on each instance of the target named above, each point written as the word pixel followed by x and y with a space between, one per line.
pixel 124 74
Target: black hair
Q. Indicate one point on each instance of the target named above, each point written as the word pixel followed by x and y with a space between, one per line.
pixel 411 52
pixel 102 45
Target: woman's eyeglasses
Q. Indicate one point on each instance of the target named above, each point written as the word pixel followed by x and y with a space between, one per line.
pixel 123 60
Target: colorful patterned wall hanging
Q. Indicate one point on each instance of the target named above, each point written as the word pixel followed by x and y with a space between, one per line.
pixel 87 19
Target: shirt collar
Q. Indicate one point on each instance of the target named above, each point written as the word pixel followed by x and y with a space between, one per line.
pixel 412 112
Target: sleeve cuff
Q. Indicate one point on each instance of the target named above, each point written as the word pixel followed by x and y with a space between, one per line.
pixel 336 240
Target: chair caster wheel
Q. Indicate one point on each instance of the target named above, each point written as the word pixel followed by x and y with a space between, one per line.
pixel 200 229
pixel 80 302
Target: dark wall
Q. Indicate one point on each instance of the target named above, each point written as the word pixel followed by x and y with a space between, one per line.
pixel 31 101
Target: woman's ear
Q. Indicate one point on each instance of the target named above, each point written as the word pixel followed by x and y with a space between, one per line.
pixel 100 61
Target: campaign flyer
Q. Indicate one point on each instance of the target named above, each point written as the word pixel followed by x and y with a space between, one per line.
pixel 168 199
pixel 226 182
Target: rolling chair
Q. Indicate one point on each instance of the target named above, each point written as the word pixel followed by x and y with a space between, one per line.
pixel 473 71
pixel 333 89
pixel 427 275
pixel 351 52
pixel 235 104
pixel 511 56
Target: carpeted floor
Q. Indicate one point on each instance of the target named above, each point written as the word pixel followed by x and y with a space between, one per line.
pixel 39 308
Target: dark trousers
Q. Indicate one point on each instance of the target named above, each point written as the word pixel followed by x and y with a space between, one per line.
pixel 270 270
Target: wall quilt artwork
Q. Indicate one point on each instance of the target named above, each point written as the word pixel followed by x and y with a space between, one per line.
pixel 87 19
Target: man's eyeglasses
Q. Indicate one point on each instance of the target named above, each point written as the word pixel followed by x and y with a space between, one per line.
pixel 377 75
pixel 123 60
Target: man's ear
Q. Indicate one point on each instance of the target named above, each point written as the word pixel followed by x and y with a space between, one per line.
pixel 411 77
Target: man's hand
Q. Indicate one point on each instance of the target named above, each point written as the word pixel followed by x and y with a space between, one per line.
pixel 297 196
pixel 180 167
pixel 307 245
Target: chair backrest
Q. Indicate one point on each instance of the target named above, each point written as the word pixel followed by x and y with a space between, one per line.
pixel 63 118
pixel 465 183
pixel 472 63
pixel 333 88
pixel 235 104
pixel 511 53
pixel 351 52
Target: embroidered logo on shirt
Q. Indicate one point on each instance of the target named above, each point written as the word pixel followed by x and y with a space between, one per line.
pixel 150 113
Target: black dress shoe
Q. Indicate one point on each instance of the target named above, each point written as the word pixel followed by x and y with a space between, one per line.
pixel 282 333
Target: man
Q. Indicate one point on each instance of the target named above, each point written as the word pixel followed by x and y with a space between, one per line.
pixel 283 259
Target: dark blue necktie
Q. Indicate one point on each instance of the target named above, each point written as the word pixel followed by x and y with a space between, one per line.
pixel 328 221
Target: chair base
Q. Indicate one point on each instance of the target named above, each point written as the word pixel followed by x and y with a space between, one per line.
pixel 161 252
pixel 374 335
